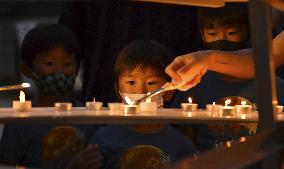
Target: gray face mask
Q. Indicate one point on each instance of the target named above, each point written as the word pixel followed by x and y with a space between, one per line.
pixel 158 98
pixel 55 84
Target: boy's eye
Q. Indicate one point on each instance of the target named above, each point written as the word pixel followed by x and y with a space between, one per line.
pixel 130 82
pixel 152 83
pixel 233 33
pixel 212 33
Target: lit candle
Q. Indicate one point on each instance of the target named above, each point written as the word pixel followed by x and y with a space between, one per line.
pixel 148 106
pixel 94 105
pixel 227 110
pixel 189 106
pixel 22 105
pixel 63 106
pixel 130 108
pixel 243 110
pixel 213 109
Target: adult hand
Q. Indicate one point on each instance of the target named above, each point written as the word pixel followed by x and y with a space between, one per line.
pixel 186 71
pixel 88 158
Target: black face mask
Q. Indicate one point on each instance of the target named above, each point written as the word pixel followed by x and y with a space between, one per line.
pixel 225 45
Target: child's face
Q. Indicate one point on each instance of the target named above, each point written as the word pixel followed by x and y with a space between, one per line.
pixel 230 33
pixel 140 81
pixel 56 60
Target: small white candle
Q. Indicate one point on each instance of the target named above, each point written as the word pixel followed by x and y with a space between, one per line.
pixel 130 108
pixel 115 107
pixel 94 105
pixel 228 110
pixel 22 105
pixel 243 109
pixel 63 106
pixel 213 109
pixel 189 106
pixel 148 106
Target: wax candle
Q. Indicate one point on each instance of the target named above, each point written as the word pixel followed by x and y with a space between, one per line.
pixel 243 109
pixel 94 105
pixel 189 106
pixel 213 109
pixel 63 106
pixel 22 105
pixel 115 107
pixel 130 108
pixel 228 110
pixel 148 106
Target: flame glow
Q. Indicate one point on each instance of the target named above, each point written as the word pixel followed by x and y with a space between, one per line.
pixel 26 85
pixel 94 100
pixel 228 144
pixel 242 139
pixel 22 97
pixel 228 101
pixel 243 103
pixel 148 100
pixel 128 100
pixel 213 103
pixel 189 100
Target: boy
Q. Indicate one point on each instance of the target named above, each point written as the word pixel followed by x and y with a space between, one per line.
pixel 50 56
pixel 139 69
pixel 223 29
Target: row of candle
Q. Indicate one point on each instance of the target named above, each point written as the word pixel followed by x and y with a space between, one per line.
pixel 149 106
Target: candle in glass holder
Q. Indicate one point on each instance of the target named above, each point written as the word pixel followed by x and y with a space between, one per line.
pixel 228 110
pixel 243 110
pixel 23 105
pixel 63 106
pixel 213 108
pixel 94 105
pixel 148 106
pixel 189 106
pixel 130 108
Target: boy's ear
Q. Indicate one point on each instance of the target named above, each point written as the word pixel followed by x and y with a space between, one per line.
pixel 26 70
pixel 168 95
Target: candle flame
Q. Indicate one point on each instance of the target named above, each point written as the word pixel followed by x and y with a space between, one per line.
pixel 213 103
pixel 243 103
pixel 22 97
pixel 128 100
pixel 189 100
pixel 26 85
pixel 94 99
pixel 228 101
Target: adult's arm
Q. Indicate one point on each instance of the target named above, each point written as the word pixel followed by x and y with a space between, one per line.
pixel 187 70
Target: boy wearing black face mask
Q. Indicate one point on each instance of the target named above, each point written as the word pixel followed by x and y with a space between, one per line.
pixel 50 56
pixel 224 29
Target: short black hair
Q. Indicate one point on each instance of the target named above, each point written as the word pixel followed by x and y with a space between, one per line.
pixel 230 15
pixel 42 38
pixel 142 54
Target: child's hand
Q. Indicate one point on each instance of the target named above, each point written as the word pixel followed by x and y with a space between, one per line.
pixel 88 158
